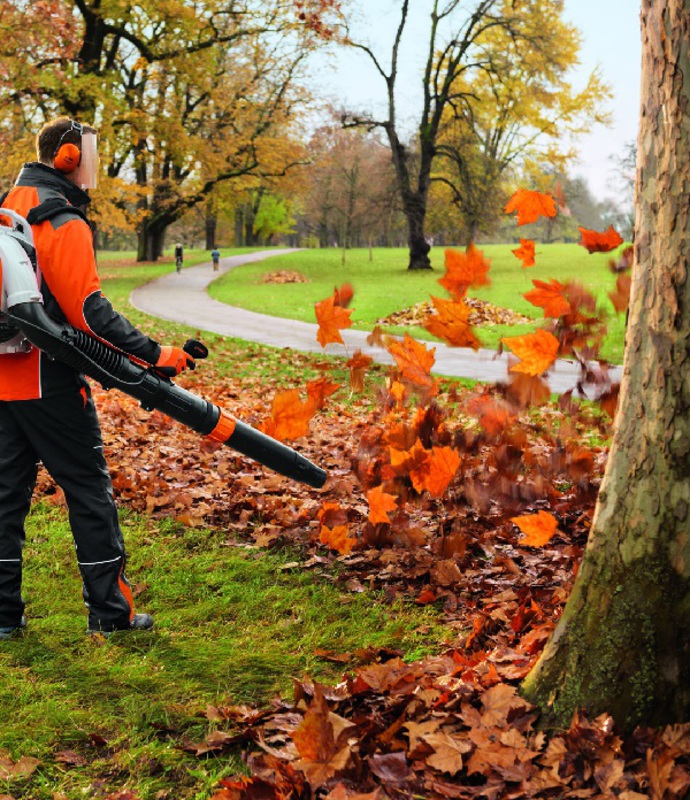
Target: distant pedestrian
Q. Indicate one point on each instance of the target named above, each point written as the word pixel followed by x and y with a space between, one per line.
pixel 179 256
pixel 215 255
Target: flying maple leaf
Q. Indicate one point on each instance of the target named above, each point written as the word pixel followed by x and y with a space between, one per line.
pixel 464 269
pixel 537 351
pixel 538 528
pixel 530 206
pixel 437 471
pixel 493 413
pixel 525 252
pixel 343 296
pixel 404 462
pixel 621 297
pixel 337 539
pixel 320 389
pixel 450 323
pixel 414 361
pixel 380 503
pixel 595 242
pixel 549 296
pixel 290 416
pixel 332 319
pixel 358 365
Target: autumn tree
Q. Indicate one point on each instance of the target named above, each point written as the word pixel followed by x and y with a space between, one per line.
pixel 459 46
pixel 623 642
pixel 522 110
pixel 350 190
pixel 180 92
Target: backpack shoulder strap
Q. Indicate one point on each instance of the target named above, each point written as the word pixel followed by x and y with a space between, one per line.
pixel 51 208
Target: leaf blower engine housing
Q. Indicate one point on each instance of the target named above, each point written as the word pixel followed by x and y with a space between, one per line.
pixel 24 324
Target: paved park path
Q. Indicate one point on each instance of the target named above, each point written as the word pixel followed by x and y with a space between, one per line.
pixel 182 297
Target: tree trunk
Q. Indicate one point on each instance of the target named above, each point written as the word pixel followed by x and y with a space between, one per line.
pixel 210 225
pixel 239 227
pixel 415 212
pixel 623 643
pixel 150 240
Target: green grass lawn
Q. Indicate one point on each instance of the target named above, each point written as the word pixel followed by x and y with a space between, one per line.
pixel 384 285
pixel 233 625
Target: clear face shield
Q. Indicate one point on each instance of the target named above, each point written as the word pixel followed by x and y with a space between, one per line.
pixel 86 174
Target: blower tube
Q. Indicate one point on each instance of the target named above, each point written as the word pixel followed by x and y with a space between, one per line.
pixel 112 369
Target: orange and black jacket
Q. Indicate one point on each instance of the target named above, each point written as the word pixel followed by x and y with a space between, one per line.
pixel 70 286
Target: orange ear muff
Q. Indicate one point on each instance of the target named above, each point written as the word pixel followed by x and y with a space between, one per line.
pixel 67 157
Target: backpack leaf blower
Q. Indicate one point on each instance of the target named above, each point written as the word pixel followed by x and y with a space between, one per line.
pixel 24 323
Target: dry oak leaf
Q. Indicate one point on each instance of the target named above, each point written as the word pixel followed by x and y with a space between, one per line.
pixel 332 319
pixel 22 768
pixel 530 206
pixel 537 351
pixel 464 269
pixel 450 323
pixel 550 297
pixel 525 252
pixel 380 503
pixel 414 361
pixel 595 242
pixel 290 416
pixel 538 528
pixel 316 739
pixel 337 539
pixel 437 471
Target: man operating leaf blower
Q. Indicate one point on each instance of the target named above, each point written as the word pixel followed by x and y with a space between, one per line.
pixel 46 410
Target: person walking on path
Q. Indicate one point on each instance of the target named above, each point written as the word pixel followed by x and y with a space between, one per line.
pixel 46 410
pixel 215 255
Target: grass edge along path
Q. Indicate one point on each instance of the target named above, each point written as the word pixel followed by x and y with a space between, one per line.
pixel 384 285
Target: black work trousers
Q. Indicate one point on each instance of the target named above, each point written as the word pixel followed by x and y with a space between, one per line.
pixel 63 432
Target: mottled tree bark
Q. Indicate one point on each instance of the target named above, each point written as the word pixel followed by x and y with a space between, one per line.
pixel 623 643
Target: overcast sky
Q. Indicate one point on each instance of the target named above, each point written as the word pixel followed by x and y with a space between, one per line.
pixel 611 40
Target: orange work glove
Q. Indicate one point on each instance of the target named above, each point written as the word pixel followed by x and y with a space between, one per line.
pixel 173 360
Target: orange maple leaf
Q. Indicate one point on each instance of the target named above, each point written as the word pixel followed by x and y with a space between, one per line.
pixel 600 242
pixel 332 319
pixel 358 365
pixel 343 296
pixel 538 528
pixel 437 471
pixel 320 389
pixel 290 416
pixel 549 296
pixel 403 462
pixel 450 323
pixel 537 351
pixel 530 206
pixel 493 414
pixel 332 514
pixel 464 269
pixel 414 361
pixel 621 297
pixel 380 503
pixel 525 252
pixel 337 539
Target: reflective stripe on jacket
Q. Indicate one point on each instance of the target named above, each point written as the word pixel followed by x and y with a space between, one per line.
pixel 69 284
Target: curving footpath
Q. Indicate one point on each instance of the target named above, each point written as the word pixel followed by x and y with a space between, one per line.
pixel 182 297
